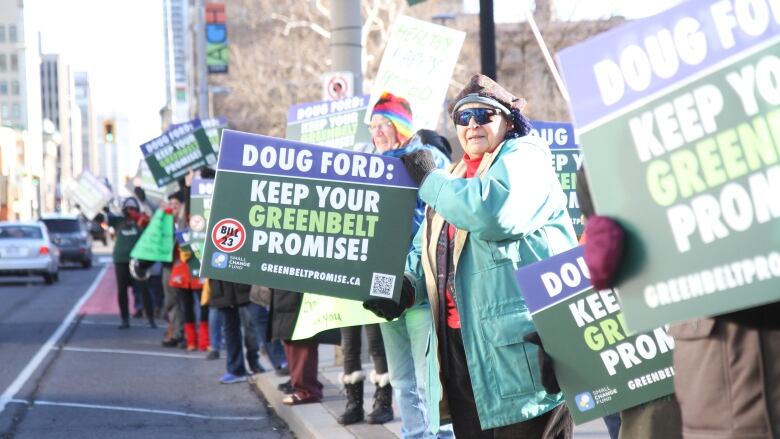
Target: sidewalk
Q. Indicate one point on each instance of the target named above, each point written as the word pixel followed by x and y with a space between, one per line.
pixel 318 421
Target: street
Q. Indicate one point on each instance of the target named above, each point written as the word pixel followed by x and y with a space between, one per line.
pixel 66 370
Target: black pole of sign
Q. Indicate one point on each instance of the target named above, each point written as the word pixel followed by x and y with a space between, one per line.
pixel 487 38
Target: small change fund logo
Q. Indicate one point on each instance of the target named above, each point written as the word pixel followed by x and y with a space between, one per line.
pixel 585 401
pixel 219 260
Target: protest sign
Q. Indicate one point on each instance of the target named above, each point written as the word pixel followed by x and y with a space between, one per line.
pixel 213 127
pixel 338 124
pixel 184 239
pixel 601 367
pixel 417 65
pixel 319 313
pixel 183 147
pixel 145 180
pixel 201 191
pixel 679 123
pixel 156 241
pixel 307 218
pixel 566 160
pixel 89 193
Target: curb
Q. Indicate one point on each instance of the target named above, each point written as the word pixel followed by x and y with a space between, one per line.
pixel 318 421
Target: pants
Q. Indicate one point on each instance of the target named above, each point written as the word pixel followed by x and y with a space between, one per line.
pixel 171 309
pixel 187 300
pixel 235 354
pixel 156 290
pixel 123 281
pixel 463 409
pixel 259 317
pixel 406 341
pixel 303 357
pixel 351 345
pixel 216 326
pixel 250 341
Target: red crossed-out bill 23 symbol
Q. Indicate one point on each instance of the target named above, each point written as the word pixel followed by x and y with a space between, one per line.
pixel 228 235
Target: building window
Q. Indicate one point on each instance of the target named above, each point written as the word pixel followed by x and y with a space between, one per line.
pixel 15 87
pixel 12 37
pixel 4 111
pixel 16 111
pixel 2 33
pixel 3 65
pixel 4 88
pixel 14 62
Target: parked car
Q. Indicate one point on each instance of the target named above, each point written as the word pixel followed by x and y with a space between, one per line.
pixel 26 249
pixel 70 234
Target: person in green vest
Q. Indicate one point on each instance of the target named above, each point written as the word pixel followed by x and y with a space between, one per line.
pixel 128 229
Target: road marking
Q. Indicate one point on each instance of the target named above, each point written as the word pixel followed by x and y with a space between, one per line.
pixel 138 410
pixel 36 360
pixel 127 351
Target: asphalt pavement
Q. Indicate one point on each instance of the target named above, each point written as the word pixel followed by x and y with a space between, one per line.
pixel 67 371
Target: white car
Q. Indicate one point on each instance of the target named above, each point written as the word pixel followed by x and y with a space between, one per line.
pixel 26 249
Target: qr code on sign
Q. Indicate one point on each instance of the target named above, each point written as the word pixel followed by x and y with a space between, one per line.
pixel 382 285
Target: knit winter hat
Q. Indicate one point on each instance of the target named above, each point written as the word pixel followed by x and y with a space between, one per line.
pixel 397 110
pixel 484 90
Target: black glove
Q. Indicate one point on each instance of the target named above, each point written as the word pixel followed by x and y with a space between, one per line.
pixel 419 164
pixel 139 193
pixel 549 381
pixel 389 309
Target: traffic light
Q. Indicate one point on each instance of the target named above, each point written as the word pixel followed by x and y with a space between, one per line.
pixel 109 135
pixel 36 180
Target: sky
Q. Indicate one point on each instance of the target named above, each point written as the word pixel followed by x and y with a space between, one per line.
pixel 119 43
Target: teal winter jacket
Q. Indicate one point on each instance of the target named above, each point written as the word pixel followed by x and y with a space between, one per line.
pixel 512 213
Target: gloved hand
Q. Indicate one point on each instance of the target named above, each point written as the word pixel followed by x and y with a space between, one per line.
pixel 419 164
pixel 139 193
pixel 142 221
pixel 603 250
pixel 549 381
pixel 389 309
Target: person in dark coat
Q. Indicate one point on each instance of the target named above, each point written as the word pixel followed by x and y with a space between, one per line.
pixel 302 355
pixel 229 297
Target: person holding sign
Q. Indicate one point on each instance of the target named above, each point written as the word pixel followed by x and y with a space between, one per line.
pixel 499 208
pixel 128 230
pixel 726 376
pixel 405 339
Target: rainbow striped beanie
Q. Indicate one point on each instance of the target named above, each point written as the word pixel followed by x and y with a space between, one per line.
pixel 397 110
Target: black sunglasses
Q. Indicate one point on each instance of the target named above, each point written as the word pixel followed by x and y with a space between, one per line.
pixel 482 115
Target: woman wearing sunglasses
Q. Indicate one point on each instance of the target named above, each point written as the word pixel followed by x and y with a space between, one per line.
pixel 497 209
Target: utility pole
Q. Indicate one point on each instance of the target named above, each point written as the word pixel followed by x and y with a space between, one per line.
pixel 200 59
pixel 346 50
pixel 487 38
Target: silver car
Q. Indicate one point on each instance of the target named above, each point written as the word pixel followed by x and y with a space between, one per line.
pixel 26 249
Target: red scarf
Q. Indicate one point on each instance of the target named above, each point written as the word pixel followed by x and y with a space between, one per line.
pixel 453 319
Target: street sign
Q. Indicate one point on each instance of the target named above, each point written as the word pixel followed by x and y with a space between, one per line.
pixel 338 85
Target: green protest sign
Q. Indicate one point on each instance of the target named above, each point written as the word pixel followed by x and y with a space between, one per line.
pixel 89 193
pixel 302 217
pixel 145 180
pixel 566 160
pixel 319 313
pixel 156 242
pixel 601 367
pixel 338 124
pixel 684 152
pixel 214 127
pixel 201 191
pixel 180 149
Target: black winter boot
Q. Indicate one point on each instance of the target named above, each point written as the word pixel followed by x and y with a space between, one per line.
pixel 353 385
pixel 383 400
